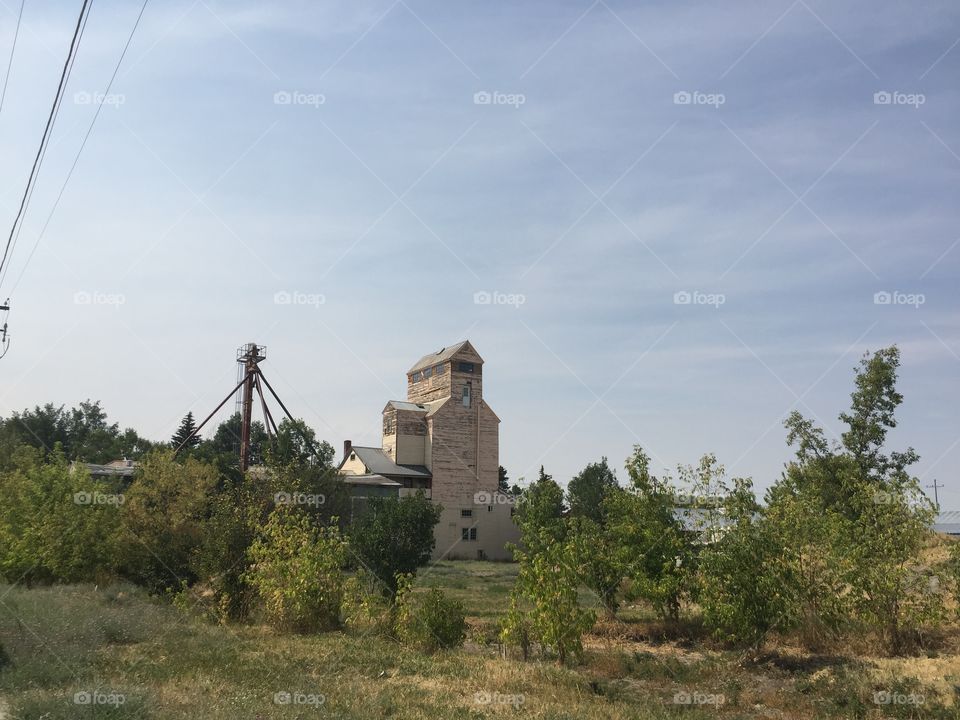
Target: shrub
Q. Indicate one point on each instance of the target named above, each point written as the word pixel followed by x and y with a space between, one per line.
pixel 297 569
pixel 53 525
pixel 165 514
pixel 428 620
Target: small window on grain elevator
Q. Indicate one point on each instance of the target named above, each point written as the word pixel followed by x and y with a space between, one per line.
pixel 466 396
pixel 427 372
pixel 465 367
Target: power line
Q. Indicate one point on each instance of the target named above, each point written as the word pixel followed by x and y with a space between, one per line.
pixel 76 159
pixel 16 237
pixel 6 77
pixel 54 109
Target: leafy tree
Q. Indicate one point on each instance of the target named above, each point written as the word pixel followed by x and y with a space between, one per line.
pixel 56 524
pixel 82 432
pixel 503 482
pixel 539 512
pixel 547 583
pixel 297 569
pixel 394 536
pixel 296 443
pixel 588 489
pixel 223 447
pixel 837 550
pixel 185 434
pixel 741 594
pixel 600 563
pixel 653 547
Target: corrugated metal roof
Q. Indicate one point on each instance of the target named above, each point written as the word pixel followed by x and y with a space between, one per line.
pixel 947 521
pixel 402 405
pixel 378 462
pixel 440 356
pixel 366 480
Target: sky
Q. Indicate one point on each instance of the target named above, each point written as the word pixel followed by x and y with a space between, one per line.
pixel 665 224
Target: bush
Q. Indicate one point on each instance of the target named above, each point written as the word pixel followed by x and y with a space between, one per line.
pixel 428 620
pixel 297 569
pixel 56 524
pixel 165 515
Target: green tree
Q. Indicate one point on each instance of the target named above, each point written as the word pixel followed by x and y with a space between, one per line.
pixel 539 512
pixel 56 523
pixel 185 434
pixel 741 592
pixel 838 547
pixel 654 550
pixel 164 517
pixel 588 489
pixel 296 443
pixel 547 587
pixel 600 563
pixel 503 482
pixel 394 536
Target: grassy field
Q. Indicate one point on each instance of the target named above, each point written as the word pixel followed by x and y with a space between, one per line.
pixel 133 656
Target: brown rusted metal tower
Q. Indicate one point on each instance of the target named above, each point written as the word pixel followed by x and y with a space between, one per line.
pixel 252 380
pixel 248 356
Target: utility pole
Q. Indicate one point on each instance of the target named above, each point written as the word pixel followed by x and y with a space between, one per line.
pixel 936 497
pixel 4 336
pixel 249 356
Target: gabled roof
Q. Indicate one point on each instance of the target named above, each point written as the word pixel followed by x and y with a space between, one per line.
pixel 378 462
pixel 442 355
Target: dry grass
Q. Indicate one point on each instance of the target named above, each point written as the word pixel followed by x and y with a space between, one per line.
pixel 170 664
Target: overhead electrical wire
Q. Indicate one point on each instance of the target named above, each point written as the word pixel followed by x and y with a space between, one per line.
pixel 51 118
pixel 13 47
pixel 76 159
pixel 16 237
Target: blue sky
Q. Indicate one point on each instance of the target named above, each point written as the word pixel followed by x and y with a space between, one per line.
pixel 587 198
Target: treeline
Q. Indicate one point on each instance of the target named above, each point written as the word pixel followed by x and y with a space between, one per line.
pixel 283 543
pixel 835 552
